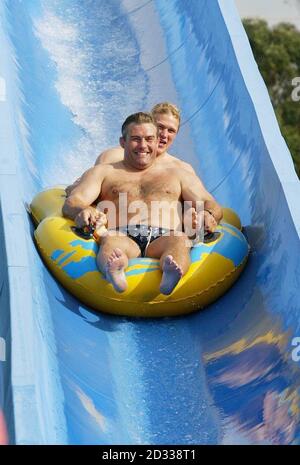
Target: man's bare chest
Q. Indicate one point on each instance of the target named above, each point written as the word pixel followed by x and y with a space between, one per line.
pixel 157 186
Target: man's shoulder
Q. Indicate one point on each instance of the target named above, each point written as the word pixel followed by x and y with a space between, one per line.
pixel 100 170
pixel 111 155
pixel 114 150
pixel 110 170
pixel 179 164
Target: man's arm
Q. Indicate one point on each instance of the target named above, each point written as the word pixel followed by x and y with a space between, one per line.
pixel 183 164
pixel 192 189
pixel 105 158
pixel 84 194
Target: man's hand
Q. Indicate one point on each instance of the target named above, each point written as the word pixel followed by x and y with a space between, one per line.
pixel 101 225
pixel 193 223
pixel 90 216
pixel 198 223
pixel 210 223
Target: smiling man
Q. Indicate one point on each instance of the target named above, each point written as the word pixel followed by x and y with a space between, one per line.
pixel 136 227
pixel 167 117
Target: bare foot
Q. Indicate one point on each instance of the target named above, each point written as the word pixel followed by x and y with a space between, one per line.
pixel 172 273
pixel 115 270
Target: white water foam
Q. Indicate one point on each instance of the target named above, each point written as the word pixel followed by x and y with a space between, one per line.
pixel 61 41
pixel 99 78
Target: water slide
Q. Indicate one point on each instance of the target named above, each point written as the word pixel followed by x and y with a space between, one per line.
pixel 70 72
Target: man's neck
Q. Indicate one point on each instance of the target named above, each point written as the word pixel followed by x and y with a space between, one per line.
pixel 163 155
pixel 134 169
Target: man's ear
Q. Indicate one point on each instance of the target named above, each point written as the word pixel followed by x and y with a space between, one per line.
pixel 122 142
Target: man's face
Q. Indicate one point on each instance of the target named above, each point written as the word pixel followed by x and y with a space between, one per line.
pixel 168 127
pixel 140 145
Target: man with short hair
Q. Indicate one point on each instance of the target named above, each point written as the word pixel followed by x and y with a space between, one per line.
pixel 167 118
pixel 140 229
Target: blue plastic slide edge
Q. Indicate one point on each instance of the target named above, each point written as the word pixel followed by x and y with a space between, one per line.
pixel 275 143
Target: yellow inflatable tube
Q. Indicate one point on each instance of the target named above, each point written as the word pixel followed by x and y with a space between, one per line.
pixel 72 260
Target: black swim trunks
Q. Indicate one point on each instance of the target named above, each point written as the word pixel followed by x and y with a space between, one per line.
pixel 143 235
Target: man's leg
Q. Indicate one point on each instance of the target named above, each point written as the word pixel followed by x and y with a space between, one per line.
pixel 112 259
pixel 174 254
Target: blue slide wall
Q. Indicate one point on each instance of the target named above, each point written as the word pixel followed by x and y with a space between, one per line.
pixel 70 72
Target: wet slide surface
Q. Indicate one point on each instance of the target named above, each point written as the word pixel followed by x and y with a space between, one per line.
pixel 70 72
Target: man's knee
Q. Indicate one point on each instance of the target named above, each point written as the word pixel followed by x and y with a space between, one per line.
pixel 116 239
pixel 111 240
pixel 180 241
